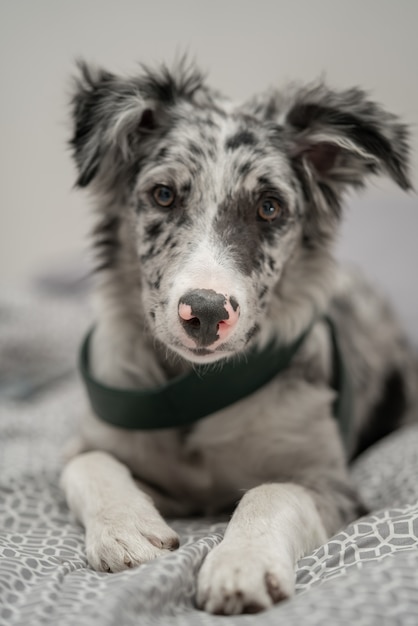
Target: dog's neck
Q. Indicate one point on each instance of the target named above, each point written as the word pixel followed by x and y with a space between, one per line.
pixel 302 294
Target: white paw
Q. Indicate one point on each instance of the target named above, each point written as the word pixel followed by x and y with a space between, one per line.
pixel 122 539
pixel 243 579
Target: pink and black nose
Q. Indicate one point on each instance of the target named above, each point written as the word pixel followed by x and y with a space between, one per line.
pixel 208 316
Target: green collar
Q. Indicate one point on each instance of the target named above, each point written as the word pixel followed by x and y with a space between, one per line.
pixel 205 390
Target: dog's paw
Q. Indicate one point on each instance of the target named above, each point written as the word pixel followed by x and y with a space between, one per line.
pixel 243 579
pixel 123 540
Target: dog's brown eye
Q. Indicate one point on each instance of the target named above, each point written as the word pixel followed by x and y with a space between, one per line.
pixel 164 196
pixel 268 209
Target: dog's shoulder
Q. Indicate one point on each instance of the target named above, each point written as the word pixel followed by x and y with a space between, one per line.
pixel 380 361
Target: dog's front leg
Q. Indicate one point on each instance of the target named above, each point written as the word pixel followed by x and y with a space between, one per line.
pixel 123 527
pixel 254 566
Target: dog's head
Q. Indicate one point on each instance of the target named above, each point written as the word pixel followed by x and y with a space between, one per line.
pixel 223 214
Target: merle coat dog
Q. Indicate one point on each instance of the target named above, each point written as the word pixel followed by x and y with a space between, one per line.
pixel 215 230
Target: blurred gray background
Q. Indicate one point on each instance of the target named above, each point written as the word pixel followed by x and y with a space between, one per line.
pixel 244 47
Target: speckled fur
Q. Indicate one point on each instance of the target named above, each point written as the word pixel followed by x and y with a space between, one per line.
pixel 303 147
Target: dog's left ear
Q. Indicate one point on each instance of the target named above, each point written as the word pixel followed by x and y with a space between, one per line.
pixel 336 139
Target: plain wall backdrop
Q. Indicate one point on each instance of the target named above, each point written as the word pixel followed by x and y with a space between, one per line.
pixel 244 46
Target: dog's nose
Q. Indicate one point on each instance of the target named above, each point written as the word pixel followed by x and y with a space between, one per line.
pixel 207 316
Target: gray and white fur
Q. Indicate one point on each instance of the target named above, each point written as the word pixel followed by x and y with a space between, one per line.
pixel 197 197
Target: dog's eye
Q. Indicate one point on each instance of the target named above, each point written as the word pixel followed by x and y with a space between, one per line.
pixel 268 209
pixel 164 196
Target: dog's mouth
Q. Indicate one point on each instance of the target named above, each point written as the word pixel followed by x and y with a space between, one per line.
pixel 201 351
pixel 202 355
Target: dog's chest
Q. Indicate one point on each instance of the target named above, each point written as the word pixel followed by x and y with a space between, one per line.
pixel 208 465
pixel 167 461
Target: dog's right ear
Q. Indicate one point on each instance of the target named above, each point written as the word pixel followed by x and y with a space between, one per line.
pixel 106 111
pixel 113 114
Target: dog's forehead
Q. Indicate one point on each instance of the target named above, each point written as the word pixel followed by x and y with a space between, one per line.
pixel 222 144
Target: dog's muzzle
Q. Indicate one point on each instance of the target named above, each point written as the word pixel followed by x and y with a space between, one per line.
pixel 208 317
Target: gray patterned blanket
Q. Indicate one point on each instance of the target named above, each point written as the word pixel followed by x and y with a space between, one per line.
pixel 365 575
